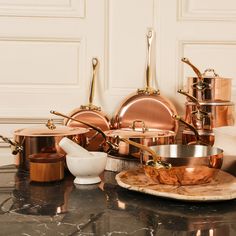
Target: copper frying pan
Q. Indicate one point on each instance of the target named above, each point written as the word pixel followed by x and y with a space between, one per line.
pixel 146 104
pixel 91 114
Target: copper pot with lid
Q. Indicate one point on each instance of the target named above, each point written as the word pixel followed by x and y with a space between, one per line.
pixel 208 86
pixel 42 139
pixel 141 135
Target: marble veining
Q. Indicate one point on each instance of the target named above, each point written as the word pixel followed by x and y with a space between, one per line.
pixel 106 209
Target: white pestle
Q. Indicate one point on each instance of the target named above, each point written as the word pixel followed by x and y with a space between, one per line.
pixel 73 149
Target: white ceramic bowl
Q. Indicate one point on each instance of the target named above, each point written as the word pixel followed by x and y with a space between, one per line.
pixel 87 169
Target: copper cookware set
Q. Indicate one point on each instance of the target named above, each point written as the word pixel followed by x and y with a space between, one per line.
pixel 208 104
pixel 143 119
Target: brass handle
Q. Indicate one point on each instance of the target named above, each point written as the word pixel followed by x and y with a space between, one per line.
pixel 191 127
pixel 90 106
pixel 149 90
pixel 210 70
pixel 111 145
pixel 16 146
pixel 195 69
pixel 192 98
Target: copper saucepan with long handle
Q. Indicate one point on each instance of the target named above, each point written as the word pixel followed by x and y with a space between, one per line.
pixel 146 104
pixel 91 114
pixel 200 119
pixel 208 87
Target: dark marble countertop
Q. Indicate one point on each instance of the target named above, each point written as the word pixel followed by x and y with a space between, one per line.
pixel 61 208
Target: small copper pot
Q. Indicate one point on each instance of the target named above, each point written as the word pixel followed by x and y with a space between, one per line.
pixel 208 86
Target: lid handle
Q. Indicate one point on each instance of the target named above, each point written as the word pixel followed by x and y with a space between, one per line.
pixel 210 70
pixel 144 128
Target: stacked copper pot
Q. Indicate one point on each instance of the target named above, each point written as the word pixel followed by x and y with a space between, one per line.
pixel 208 104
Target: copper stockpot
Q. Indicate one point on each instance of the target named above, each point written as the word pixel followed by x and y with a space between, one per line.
pixel 42 139
pixel 208 87
pixel 144 136
pixel 216 114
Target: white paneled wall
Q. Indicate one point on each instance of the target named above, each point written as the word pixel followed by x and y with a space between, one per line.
pixel 46 49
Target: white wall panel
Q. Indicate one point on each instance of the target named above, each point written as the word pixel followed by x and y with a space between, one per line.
pixel 127 43
pixel 207 10
pixel 39 62
pixel 43 8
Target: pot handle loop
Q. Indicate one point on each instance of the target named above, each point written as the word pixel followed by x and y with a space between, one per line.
pixel 210 70
pixel 144 128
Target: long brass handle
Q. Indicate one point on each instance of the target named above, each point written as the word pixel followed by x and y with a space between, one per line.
pixel 148 69
pixel 155 156
pixel 90 105
pixel 148 89
pixel 195 69
pixel 95 66
pixel 80 121
pixel 191 127
pixel 192 98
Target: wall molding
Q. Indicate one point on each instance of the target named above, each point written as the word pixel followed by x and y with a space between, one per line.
pixel 187 12
pixel 68 8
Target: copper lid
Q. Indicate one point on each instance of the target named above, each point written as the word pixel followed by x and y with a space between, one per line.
pixel 138 133
pixel 46 157
pixel 52 130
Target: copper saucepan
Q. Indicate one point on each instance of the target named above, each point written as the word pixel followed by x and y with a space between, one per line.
pixel 146 104
pixel 208 115
pixel 190 164
pixel 219 113
pixel 42 139
pixel 207 87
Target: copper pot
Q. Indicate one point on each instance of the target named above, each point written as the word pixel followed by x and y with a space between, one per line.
pixel 143 135
pixel 42 139
pixel 208 86
pixel 216 114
